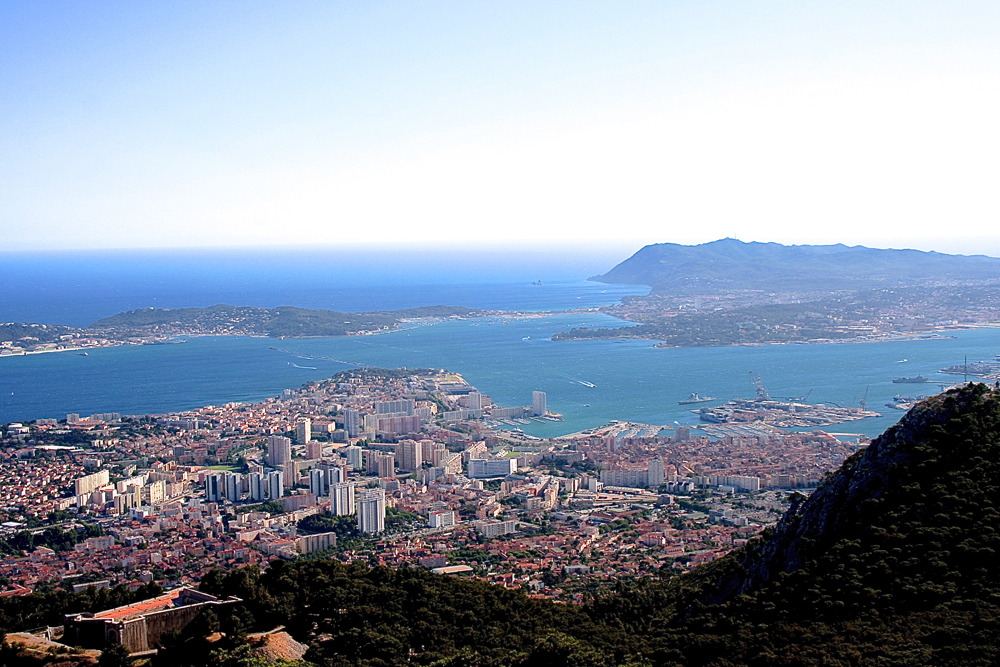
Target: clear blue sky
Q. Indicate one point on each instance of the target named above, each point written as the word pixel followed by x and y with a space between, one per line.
pixel 209 123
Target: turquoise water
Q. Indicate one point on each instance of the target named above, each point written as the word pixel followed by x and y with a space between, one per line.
pixel 505 358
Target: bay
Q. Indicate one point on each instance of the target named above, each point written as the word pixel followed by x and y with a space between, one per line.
pixel 506 358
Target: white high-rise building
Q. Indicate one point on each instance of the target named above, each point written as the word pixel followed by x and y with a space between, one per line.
pixel 335 475
pixel 256 483
pixel 352 422
pixel 538 403
pixel 234 483
pixel 214 487
pixel 303 430
pixel 279 450
pixel 275 484
pixel 342 499
pixel 317 482
pixel 355 457
pixel 371 511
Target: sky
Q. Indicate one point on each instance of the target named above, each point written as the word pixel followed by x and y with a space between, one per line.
pixel 185 124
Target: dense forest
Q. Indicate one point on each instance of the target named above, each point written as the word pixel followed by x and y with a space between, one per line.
pixel 892 561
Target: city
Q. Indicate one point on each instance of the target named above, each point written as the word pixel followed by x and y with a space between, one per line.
pixel 397 468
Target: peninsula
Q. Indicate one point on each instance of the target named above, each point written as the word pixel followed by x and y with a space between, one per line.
pixel 151 325
pixel 733 293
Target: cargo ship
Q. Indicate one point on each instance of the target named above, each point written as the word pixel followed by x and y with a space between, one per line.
pixel 912 380
pixel 695 398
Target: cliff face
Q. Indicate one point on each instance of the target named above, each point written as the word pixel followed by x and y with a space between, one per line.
pixel 912 518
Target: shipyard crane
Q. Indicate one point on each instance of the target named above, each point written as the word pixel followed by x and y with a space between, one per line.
pixel 864 400
pixel 762 394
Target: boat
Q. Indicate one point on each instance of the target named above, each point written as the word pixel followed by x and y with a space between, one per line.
pixel 695 397
pixel 913 380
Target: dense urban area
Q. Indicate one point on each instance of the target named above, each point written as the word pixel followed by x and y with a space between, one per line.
pixel 399 468
pixel 407 469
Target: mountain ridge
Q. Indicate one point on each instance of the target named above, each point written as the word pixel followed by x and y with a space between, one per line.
pixel 729 263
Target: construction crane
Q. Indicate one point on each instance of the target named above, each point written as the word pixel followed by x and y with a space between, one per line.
pixel 762 394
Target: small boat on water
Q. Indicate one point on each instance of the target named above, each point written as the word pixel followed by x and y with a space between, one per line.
pixel 695 397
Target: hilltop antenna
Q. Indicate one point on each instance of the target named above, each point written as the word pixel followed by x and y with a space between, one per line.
pixel 965 376
pixel 762 394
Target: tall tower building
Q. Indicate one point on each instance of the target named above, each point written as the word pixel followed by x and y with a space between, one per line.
pixel 386 466
pixel 355 457
pixel 275 485
pixel 655 474
pixel 256 482
pixel 234 484
pixel 279 450
pixel 214 487
pixel 371 511
pixel 317 482
pixel 411 455
pixel 352 422
pixel 538 403
pixel 342 499
pixel 314 449
pixel 303 431
pixel 336 475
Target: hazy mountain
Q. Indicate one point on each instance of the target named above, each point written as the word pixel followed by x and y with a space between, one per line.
pixel 730 264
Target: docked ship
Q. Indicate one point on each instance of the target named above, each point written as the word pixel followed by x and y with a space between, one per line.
pixel 912 380
pixel 696 398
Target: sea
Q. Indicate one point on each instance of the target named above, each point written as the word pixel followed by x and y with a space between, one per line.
pixel 505 356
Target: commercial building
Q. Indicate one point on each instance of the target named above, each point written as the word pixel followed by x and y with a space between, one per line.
pixel 486 468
